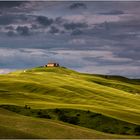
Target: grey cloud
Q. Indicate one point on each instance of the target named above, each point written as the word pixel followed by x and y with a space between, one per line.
pixel 6 19
pixel 77 5
pixel 54 30
pixel 109 60
pixel 113 12
pixel 76 32
pixel 11 58
pixel 23 30
pixel 128 51
pixel 19 31
pixel 10 4
pixel 10 33
pixel 45 21
pixel 59 20
pixel 34 26
pixel 129 73
pixel 72 26
pixel 118 31
pixel 9 28
pixel 14 7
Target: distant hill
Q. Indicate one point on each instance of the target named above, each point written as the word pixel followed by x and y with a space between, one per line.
pixel 113 97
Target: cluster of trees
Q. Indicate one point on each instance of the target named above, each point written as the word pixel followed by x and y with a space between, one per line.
pixel 67 118
pixel 42 114
pixel 137 130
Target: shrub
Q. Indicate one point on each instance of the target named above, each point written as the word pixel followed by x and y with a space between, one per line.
pixel 137 130
pixel 77 114
pixel 43 115
pixel 57 110
pixel 73 120
pixel 27 107
pixel 69 119
pixel 94 115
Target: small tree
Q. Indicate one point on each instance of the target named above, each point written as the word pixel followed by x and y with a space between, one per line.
pixel 26 106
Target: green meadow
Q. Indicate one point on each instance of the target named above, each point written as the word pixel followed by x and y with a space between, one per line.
pixel 88 105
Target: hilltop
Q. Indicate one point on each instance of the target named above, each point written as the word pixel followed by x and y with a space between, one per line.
pixel 113 98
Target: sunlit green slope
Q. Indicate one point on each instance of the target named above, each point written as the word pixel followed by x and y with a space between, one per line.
pixel 58 87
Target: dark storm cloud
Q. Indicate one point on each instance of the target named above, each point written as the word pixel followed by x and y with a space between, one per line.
pixel 45 21
pixel 19 58
pixel 23 30
pixel 9 28
pixel 109 60
pixel 34 26
pixel 7 19
pixel 113 12
pixel 77 5
pixel 129 51
pixel 54 30
pixel 72 26
pixel 10 4
pixel 76 32
pixel 59 20
pixel 10 33
pixel 117 31
pixel 15 7
pixel 128 25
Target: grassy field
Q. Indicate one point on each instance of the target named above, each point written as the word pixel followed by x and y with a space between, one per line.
pixel 49 88
pixel 83 118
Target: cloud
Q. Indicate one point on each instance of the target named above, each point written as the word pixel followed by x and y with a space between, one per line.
pixel 10 4
pixel 126 70
pixel 59 20
pixel 113 12
pixel 9 28
pixel 92 19
pixel 5 71
pixel 77 5
pixel 76 32
pixel 6 19
pixel 54 30
pixel 23 30
pixel 21 58
pixel 11 33
pixel 78 41
pixel 14 7
pixel 72 26
pixel 9 19
pixel 109 59
pixel 45 21
pixel 123 70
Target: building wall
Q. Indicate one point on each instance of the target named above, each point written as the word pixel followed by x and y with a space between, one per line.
pixel 50 65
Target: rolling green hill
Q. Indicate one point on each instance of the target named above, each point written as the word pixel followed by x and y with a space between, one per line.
pixel 17 126
pixel 114 97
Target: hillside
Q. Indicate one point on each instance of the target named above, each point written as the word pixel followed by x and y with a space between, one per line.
pixel 29 127
pixel 50 88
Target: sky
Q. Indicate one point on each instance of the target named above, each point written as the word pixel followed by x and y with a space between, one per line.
pixel 91 37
